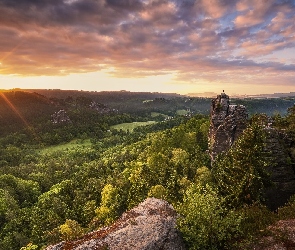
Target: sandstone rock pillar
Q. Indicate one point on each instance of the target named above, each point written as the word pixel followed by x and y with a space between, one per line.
pixel 227 122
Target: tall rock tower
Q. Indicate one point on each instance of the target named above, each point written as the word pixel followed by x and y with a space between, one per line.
pixel 227 122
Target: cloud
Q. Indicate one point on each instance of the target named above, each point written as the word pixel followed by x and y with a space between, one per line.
pixel 195 39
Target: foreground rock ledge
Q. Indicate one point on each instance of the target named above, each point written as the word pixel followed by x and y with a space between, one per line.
pixel 149 226
pixel 282 237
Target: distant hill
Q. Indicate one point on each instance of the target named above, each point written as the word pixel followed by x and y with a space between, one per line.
pixel 134 102
pixel 20 109
pixel 275 95
pixel 258 96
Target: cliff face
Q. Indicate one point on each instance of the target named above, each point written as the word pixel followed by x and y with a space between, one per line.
pixel 149 226
pixel 227 122
pixel 282 170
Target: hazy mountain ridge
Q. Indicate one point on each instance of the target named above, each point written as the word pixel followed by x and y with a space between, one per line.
pixel 37 106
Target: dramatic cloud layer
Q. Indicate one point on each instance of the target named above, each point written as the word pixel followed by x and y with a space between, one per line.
pixel 238 41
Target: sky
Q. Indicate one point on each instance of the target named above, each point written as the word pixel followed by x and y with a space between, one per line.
pixel 182 46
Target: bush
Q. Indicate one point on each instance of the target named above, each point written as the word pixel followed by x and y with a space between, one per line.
pixel 109 208
pixel 204 223
pixel 287 211
pixel 256 218
pixel 70 230
pixel 158 191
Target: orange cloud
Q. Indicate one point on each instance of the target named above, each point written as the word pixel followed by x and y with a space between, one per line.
pixel 194 39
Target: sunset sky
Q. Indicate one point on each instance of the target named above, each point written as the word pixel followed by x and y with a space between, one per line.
pixel 183 46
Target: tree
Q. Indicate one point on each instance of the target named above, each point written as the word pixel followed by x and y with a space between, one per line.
pixel 158 191
pixel 204 222
pixel 241 173
pixel 109 207
pixel 71 230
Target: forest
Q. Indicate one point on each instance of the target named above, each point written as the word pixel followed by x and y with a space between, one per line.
pixel 61 180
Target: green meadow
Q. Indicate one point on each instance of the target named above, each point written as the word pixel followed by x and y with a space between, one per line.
pixel 131 125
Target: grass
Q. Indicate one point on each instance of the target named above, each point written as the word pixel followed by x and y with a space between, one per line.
pixel 182 112
pixel 155 114
pixel 131 126
pixel 60 147
pixel 86 142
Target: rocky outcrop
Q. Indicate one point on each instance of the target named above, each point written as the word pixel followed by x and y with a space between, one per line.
pixel 101 108
pixel 278 145
pixel 149 226
pixel 227 122
pixel 60 117
pixel 282 237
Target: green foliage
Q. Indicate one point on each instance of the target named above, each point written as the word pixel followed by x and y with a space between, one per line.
pixel 30 246
pixel 109 207
pixel 130 126
pixel 51 210
pixel 203 176
pixel 8 207
pixel 256 218
pixel 240 174
pixel 158 191
pixel 52 193
pixel 288 211
pixel 204 222
pixel 71 230
pixel 26 192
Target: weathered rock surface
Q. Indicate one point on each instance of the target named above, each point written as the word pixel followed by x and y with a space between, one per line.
pixel 227 122
pixel 283 237
pixel 282 171
pixel 149 226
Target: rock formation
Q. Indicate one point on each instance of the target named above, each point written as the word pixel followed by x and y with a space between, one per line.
pixel 149 226
pixel 227 122
pixel 281 237
pixel 101 108
pixel 60 117
pixel 282 170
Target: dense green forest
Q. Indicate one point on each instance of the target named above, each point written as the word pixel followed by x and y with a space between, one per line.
pixel 59 181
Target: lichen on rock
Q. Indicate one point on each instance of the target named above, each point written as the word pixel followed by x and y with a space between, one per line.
pixel 149 226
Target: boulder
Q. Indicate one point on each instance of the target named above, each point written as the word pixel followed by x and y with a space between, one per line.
pixel 149 226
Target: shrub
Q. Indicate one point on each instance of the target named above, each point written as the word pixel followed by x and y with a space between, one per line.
pixel 71 230
pixel 287 211
pixel 204 223
pixel 158 191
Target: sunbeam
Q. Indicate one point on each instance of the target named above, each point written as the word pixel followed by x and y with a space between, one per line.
pixel 11 51
pixel 14 109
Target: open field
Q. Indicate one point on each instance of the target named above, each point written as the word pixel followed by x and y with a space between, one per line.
pixel 130 126
pixel 155 114
pixel 72 144
pixel 182 112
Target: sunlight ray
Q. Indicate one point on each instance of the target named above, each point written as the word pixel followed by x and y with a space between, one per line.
pixel 9 53
pixel 14 109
